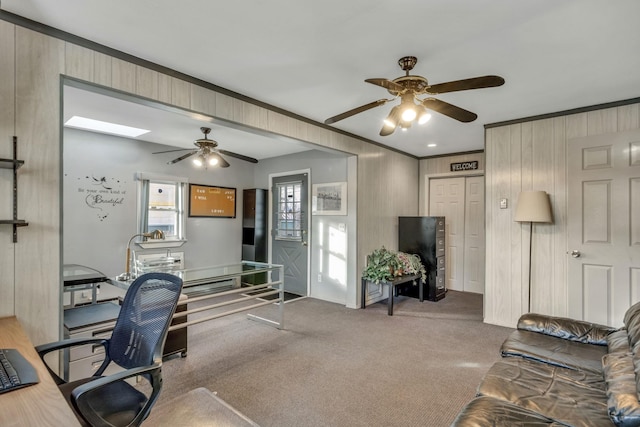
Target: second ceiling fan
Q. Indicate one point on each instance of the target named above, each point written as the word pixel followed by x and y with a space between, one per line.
pixel 411 108
pixel 207 153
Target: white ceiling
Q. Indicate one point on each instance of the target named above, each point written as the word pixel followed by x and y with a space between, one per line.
pixel 311 57
pixel 174 127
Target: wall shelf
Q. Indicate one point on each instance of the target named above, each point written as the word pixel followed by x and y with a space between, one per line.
pixel 14 164
pixel 10 163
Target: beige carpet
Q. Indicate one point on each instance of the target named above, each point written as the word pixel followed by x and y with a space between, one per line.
pixel 334 366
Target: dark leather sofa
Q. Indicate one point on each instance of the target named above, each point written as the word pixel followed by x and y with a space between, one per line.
pixel 562 372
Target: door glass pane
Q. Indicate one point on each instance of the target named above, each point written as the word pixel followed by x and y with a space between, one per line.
pixel 288 226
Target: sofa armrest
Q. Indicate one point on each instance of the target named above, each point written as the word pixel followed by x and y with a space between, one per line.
pixel 622 394
pixel 569 329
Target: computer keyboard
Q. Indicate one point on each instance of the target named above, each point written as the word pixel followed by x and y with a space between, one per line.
pixel 15 371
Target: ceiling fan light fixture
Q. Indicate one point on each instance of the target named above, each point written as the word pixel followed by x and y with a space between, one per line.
pixel 409 113
pixel 389 123
pixel 405 125
pixel 213 161
pixel 392 119
pixel 409 88
pixel 423 115
pixel 408 108
pixel 199 160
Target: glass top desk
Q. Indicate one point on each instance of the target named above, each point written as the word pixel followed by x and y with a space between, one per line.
pixel 244 296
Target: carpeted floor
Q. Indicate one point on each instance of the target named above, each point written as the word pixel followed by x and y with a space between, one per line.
pixel 335 366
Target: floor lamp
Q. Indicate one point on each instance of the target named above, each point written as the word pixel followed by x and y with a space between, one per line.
pixel 533 206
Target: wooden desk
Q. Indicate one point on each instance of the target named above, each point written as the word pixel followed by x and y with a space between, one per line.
pixel 41 404
pixel 392 284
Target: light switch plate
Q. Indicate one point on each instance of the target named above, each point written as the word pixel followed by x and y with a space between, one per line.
pixel 503 203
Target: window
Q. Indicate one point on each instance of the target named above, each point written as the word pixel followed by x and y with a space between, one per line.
pixel 288 214
pixel 162 207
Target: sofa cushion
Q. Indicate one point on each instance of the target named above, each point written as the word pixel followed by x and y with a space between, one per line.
pixel 563 395
pixel 555 351
pixel 618 342
pixel 622 396
pixel 489 412
pixel 565 328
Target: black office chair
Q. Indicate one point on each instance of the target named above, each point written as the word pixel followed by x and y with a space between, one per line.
pixel 136 345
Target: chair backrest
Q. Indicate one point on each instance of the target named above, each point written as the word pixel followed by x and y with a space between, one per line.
pixel 145 315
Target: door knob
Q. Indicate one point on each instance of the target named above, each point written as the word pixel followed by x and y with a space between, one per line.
pixel 304 243
pixel 575 253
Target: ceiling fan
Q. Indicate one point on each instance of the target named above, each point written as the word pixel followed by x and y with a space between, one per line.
pixel 207 153
pixel 411 108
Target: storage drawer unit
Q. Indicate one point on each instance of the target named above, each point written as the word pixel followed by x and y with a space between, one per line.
pixel 97 321
pixel 89 321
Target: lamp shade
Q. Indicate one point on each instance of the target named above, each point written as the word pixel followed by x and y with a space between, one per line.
pixel 533 206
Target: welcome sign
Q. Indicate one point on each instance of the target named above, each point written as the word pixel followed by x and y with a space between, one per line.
pixel 464 166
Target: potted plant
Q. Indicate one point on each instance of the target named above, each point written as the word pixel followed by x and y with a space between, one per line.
pixel 411 264
pixel 382 265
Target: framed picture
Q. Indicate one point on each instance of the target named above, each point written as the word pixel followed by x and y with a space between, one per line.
pixel 329 199
pixel 211 201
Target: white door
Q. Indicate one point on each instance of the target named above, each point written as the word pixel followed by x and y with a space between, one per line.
pixel 447 198
pixel 604 226
pixel 474 235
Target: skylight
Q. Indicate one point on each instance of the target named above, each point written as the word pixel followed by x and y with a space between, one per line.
pixel 78 122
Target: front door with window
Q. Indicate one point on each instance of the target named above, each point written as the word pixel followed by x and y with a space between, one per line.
pixel 290 230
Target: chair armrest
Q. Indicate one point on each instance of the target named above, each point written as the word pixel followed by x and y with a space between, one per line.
pixel 43 349
pixel 565 328
pixel 118 376
pixel 84 407
pixel 74 342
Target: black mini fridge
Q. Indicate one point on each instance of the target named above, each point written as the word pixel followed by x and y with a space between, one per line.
pixel 425 236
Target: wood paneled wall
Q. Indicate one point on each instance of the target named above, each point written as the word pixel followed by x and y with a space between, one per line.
pixel 7 130
pixel 387 180
pixel 532 156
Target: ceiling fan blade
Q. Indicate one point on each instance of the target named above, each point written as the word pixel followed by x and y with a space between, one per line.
pixel 238 156
pixel 356 111
pixel 172 151
pixel 182 157
pixel 387 84
pixel 450 110
pixel 466 84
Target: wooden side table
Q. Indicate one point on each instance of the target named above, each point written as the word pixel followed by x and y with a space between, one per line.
pixel 392 284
